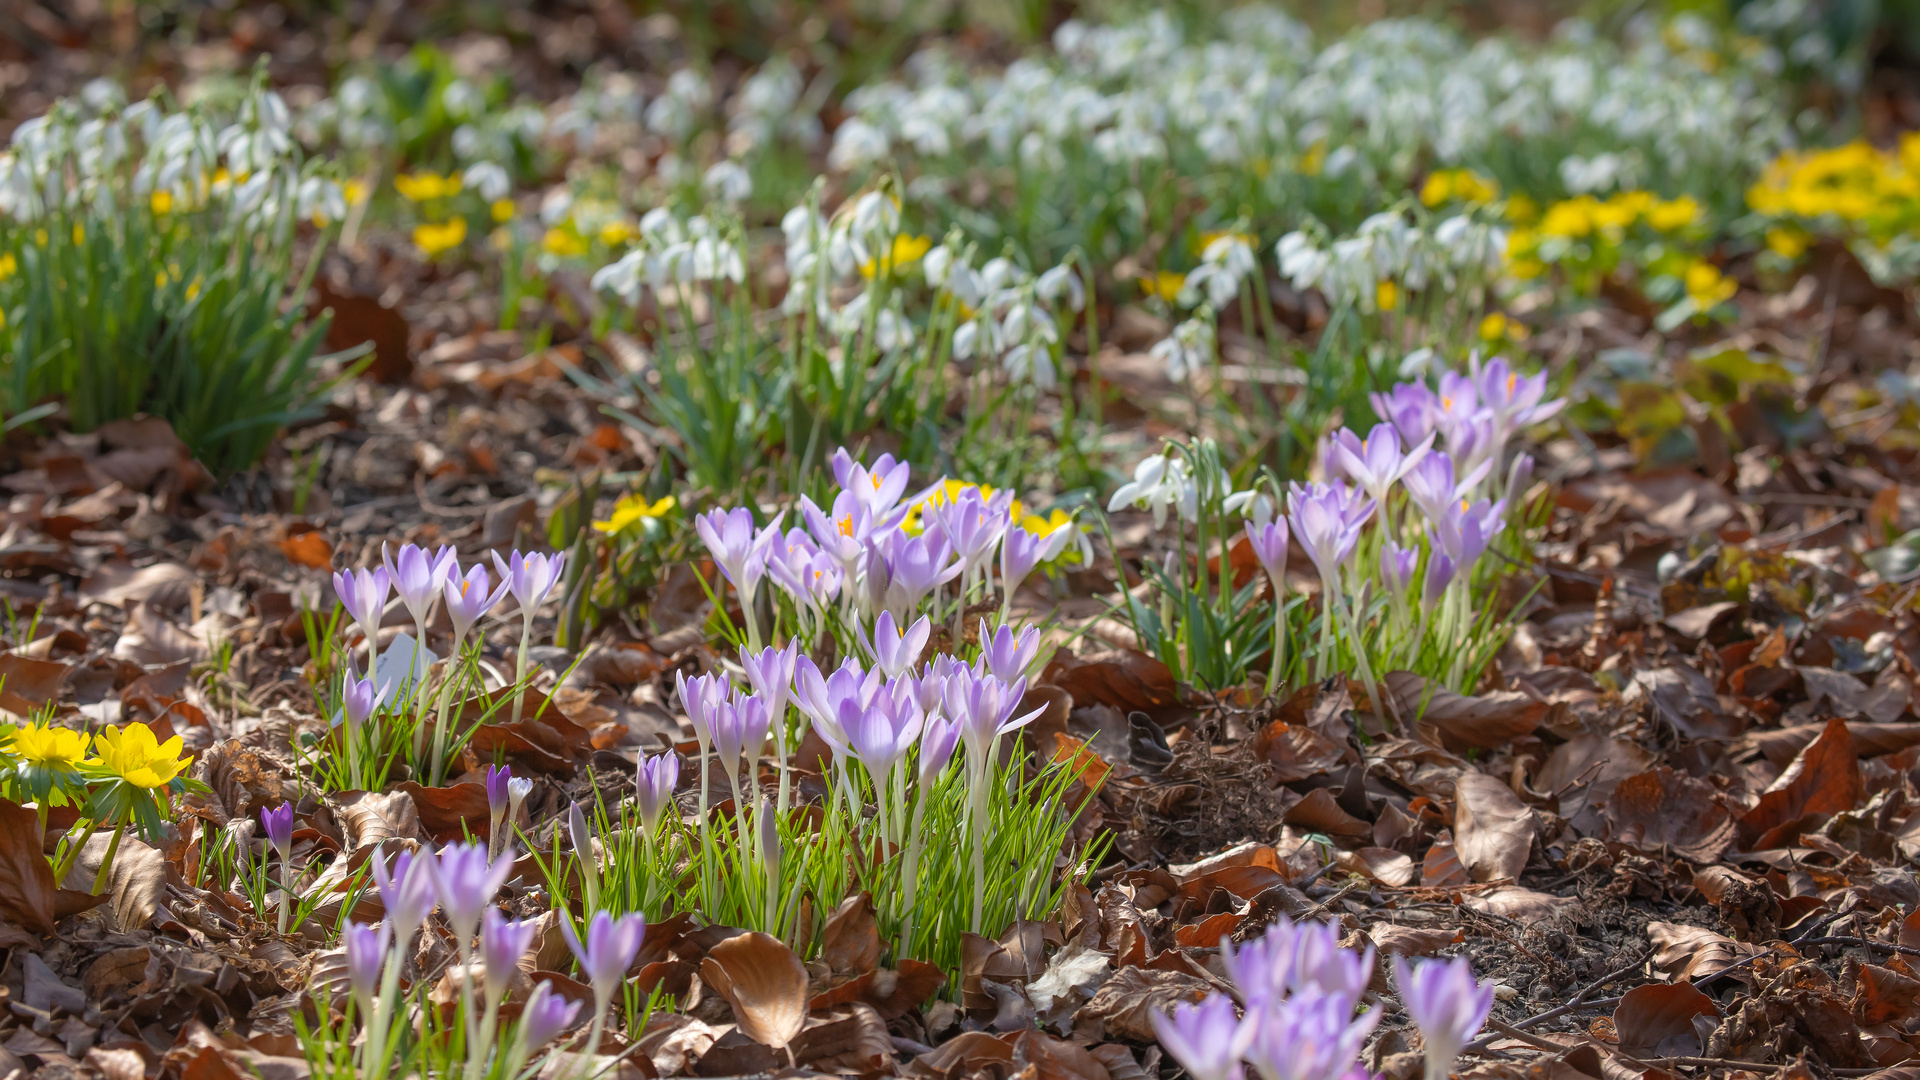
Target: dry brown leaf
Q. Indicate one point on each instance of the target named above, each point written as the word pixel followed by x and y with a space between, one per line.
pixel 1320 812
pixel 1823 779
pixel 1521 904
pixel 136 881
pixel 369 817
pixel 1048 1058
pixel 764 982
pixel 1295 751
pixel 165 586
pixel 1394 940
pixel 1883 996
pixel 1666 810
pixel 26 684
pixel 1689 953
pixel 450 814
pixel 28 894
pixel 1492 828
pixel 850 942
pixel 1123 678
pixel 1126 1003
pixel 1657 1020
pixel 1456 722
pixel 1583 771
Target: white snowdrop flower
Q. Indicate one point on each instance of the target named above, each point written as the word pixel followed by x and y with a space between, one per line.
pixel 892 332
pixel 856 145
pixel 659 227
pixel 935 263
pixel 729 182
pixel 1030 362
pixel 623 278
pixel 489 179
pixel 1187 350
pixel 1061 281
pixel 555 205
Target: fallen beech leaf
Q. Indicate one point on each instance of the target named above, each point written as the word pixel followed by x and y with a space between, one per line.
pixel 1696 621
pixel 1583 771
pixel 1394 940
pixel 450 814
pixel 28 894
pixel 850 942
pixel 891 993
pixel 370 818
pixel 359 319
pixel 310 549
pixel 1689 953
pixel 1294 751
pixel 1123 678
pixel 1883 996
pixel 1073 971
pixel 1521 904
pixel 1319 812
pixel 165 585
pixel 1126 1003
pixel 1442 866
pixel 1384 865
pixel 1206 933
pixel 1685 699
pixel 1823 779
pixel 969 1053
pixel 764 982
pixel 1048 1058
pixel 26 684
pixel 136 881
pixel 1485 722
pixel 1648 1016
pixel 118 1063
pixel 1666 810
pixel 1492 828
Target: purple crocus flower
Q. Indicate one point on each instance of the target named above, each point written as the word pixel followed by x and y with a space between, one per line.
pixel 1269 544
pixel 739 549
pixel 278 823
pixel 881 734
pixel 1375 462
pixel 364 594
pixel 820 697
pixel 1263 969
pixel 1319 961
pixel 408 893
pixel 609 949
pixel 702 696
pixel 1440 572
pixel 366 952
pixel 1207 1039
pixel 498 777
pixel 973 524
pixel 843 532
pixel 1465 529
pixel 740 730
pixel 1514 399
pixel 359 698
pixel 503 942
pixel 771 676
pixel 1519 476
pixel 1007 654
pixel 937 741
pixel 530 577
pixel 658 777
pixel 417 576
pixel 983 706
pixel 1397 565
pixel 1431 485
pixel 1327 519
pixel 1309 1036
pixel 902 570
pixel 467 882
pixel 880 487
pixel 1411 407
pixel 895 650
pixel 1447 1004
pixel 468 598
pixel 546 1015
pixel 1021 551
pixel 810 576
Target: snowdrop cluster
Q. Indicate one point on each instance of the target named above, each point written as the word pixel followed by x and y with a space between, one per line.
pixel 1297 991
pixel 95 152
pixel 1389 253
pixel 669 252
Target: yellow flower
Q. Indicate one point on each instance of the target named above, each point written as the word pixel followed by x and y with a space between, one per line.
pixel 354 191
pixel 436 239
pixel 1521 209
pixel 422 186
pixel 1493 327
pixel 1571 219
pixel 1438 188
pixel 40 237
pixel 3 318
pixel 564 242
pixel 1205 240
pixel 502 210
pixel 9 265
pixel 1036 525
pixel 1165 284
pixel 1315 159
pixel 193 287
pixel 950 490
pixel 906 250
pixel 162 202
pixel 1467 186
pixel 617 232
pixel 1787 242
pixel 79 233
pixel 1706 286
pixel 1674 213
pixel 50 747
pixel 634 509
pixel 1386 296
pixel 132 754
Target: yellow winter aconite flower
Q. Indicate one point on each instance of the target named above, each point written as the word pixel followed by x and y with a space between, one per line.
pixel 1497 327
pixel 1863 188
pixel 134 755
pixel 1386 296
pixel 1458 185
pixel 437 239
pixel 9 265
pixel 161 202
pixel 50 747
pixel 1046 526
pixel 617 232
pixel 564 241
pixel 634 509
pixel 502 210
pixel 905 251
pixel 950 490
pixel 1165 284
pixel 1674 213
pixel 1706 286
pixel 1787 242
pixel 354 191
pixel 422 186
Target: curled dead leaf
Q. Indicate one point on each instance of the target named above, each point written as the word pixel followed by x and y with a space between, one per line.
pixel 1664 810
pixel 1658 1019
pixel 764 982
pixel 1493 829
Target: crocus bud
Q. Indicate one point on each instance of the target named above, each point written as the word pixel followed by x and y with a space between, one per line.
pixel 278 823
